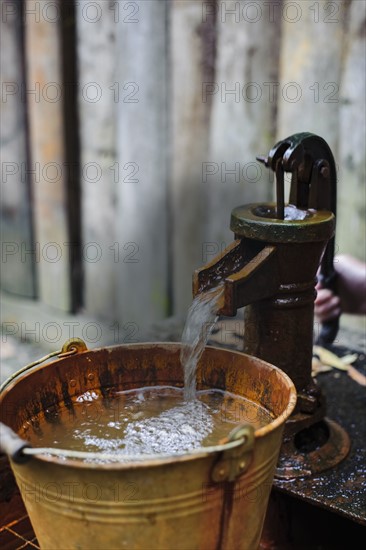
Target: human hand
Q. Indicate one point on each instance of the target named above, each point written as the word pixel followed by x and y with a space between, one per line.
pixel 351 290
pixel 327 304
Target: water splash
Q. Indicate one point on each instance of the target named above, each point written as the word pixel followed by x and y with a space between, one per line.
pixel 201 319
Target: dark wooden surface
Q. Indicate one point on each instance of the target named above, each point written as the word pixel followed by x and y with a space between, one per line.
pixel 341 489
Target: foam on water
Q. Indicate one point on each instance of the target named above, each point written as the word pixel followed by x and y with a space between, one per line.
pixel 175 430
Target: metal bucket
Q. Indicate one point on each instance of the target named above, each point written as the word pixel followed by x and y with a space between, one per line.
pixel 212 498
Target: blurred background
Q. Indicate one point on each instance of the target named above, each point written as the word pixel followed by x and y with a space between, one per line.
pixel 129 131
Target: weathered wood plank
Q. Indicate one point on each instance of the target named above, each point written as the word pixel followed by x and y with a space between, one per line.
pixel 99 171
pixel 192 60
pixel 310 70
pixel 311 60
pixel 17 263
pixel 243 111
pixel 48 163
pixel 142 227
pixel 351 219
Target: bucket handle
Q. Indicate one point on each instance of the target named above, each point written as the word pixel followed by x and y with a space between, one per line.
pixel 233 460
pixel 70 347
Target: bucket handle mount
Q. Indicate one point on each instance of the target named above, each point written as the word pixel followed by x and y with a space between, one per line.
pixel 70 347
pixel 234 461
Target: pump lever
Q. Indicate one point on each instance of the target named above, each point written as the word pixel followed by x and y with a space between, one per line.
pixel 314 185
pixel 280 184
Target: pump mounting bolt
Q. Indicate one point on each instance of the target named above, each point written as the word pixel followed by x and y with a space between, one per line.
pixel 325 172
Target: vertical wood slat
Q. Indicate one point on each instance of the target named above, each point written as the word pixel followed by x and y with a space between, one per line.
pixel 243 112
pixel 17 269
pixel 43 46
pixel 311 57
pixel 70 77
pixel 351 219
pixel 310 71
pixel 191 65
pixel 142 229
pixel 98 99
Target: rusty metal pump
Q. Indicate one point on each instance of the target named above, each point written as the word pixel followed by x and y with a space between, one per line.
pixel 271 268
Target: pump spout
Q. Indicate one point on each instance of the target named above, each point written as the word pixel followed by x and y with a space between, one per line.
pixel 249 272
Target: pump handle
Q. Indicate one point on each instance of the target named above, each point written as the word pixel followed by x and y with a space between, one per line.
pixel 314 185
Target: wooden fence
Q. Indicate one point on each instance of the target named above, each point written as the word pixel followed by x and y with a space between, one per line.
pixel 130 130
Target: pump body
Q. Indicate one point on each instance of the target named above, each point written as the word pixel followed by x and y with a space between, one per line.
pixel 272 268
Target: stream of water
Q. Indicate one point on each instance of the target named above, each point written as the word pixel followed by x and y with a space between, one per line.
pixel 202 317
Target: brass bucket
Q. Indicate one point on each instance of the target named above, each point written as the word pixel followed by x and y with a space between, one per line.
pixel 212 498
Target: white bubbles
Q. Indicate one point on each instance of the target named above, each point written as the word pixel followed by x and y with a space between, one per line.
pixel 181 428
pixel 87 396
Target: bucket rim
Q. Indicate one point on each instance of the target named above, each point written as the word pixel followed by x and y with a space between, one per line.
pixel 159 460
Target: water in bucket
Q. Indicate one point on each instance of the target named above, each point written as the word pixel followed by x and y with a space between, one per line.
pixel 149 420
pixel 146 421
